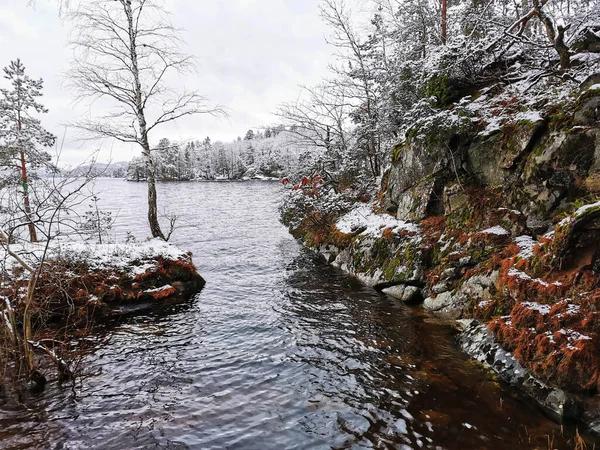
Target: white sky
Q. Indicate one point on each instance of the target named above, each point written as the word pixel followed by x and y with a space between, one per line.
pixel 252 56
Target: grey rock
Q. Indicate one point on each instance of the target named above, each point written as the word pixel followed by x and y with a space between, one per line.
pixel 407 294
pixel 445 305
pixel 492 157
pixel 453 305
pixel 588 113
pixel 439 288
pixel 480 344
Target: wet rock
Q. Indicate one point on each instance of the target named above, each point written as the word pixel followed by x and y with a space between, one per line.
pixel 454 305
pixel 407 294
pixel 479 343
pixel 329 252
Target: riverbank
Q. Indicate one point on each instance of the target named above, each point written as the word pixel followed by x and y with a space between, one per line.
pixel 493 220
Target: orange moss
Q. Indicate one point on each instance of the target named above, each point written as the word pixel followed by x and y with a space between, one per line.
pixel 388 233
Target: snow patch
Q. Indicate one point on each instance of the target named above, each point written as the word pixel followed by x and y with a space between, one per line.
pixel 526 244
pixel 534 306
pixel 166 287
pixel 364 217
pixel 496 230
pixel 134 257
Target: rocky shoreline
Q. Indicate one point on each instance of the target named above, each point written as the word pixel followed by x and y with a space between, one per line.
pixel 500 227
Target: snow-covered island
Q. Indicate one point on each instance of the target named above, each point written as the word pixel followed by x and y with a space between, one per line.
pixel 52 292
pixel 80 281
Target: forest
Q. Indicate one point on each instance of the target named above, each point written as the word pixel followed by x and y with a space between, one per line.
pixel 271 154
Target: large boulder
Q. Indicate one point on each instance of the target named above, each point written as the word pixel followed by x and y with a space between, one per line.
pixel 493 158
pixel 418 175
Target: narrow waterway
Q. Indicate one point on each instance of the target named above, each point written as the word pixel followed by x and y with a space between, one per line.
pixel 279 351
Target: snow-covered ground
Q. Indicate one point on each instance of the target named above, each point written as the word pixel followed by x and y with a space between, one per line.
pixel 134 257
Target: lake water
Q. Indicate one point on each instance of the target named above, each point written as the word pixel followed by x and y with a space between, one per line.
pixel 279 351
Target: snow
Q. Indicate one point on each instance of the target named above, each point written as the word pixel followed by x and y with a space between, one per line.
pixel 572 309
pixel 523 276
pixel 530 116
pixel 166 287
pixel 585 208
pixel 496 230
pixel 526 244
pixel 132 257
pixel 534 306
pixel 585 58
pixel 573 337
pixel 364 217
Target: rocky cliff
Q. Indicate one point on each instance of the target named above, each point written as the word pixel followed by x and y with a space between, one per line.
pixel 496 220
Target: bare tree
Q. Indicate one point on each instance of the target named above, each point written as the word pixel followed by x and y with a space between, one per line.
pixel 54 213
pixel 318 118
pixel 355 76
pixel 124 51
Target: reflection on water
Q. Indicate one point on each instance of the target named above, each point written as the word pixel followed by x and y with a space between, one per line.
pixel 278 351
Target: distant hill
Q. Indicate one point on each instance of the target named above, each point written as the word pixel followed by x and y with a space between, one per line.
pixel 109 170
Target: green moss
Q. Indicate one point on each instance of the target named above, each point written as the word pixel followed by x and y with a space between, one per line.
pixel 438 86
pixel 586 95
pixel 396 152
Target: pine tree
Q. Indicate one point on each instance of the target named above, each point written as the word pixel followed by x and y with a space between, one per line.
pixel 22 137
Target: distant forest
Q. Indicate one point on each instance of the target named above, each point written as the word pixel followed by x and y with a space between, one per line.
pixel 260 154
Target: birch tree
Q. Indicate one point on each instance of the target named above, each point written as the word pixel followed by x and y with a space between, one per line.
pixel 124 52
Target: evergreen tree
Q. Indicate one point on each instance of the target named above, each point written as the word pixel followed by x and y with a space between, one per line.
pixel 22 137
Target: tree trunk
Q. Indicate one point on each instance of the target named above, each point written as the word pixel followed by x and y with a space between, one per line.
pixel 32 231
pixel 444 21
pixel 151 181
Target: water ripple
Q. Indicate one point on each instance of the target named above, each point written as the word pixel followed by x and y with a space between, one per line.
pixel 278 352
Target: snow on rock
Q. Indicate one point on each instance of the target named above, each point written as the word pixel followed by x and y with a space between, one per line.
pixel 530 116
pixel 534 306
pixel 496 230
pixel 364 217
pixel 525 277
pixel 581 211
pixel 166 287
pixel 526 244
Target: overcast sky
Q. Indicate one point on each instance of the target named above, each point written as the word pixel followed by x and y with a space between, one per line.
pixel 252 56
